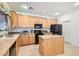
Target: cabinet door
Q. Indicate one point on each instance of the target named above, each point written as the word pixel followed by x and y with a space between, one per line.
pixel 41 46
pixel 20 21
pixel 44 22
pixel 40 20
pixel 24 39
pixel 23 21
pixel 48 23
pixel 27 23
pixel 36 20
pixel 31 21
pixel 31 38
pixel 53 21
pixel 14 19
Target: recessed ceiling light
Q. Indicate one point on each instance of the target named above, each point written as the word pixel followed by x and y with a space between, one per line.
pixel 76 4
pixel 25 6
pixel 56 14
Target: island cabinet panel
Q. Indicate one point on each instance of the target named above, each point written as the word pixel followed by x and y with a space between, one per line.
pixel 41 46
pixel 14 19
pixel 51 46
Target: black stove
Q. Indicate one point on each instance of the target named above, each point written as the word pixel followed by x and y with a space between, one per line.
pixel 37 32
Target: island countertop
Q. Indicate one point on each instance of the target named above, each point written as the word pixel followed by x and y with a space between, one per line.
pixel 6 43
pixel 49 36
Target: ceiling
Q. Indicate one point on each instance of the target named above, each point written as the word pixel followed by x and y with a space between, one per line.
pixel 44 8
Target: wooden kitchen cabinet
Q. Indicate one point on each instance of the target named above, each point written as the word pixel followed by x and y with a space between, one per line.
pixel 23 39
pixel 26 39
pixel 27 22
pixel 23 21
pixel 44 23
pixel 14 19
pixel 31 21
pixel 32 38
pixel 40 20
pixel 48 23
pixel 53 21
pixel 51 45
pixel 36 21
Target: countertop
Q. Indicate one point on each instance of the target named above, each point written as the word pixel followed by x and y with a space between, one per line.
pixel 6 43
pixel 49 36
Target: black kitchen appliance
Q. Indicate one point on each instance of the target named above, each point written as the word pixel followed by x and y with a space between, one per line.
pixel 38 26
pixel 56 29
pixel 37 32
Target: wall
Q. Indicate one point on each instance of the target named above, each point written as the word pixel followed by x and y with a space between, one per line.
pixel 74 18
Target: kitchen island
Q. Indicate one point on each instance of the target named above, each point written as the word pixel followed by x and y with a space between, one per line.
pixel 51 45
pixel 6 43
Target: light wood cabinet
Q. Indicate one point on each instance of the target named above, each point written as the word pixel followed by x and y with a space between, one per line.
pixel 51 46
pixel 26 39
pixel 27 22
pixel 14 19
pixel 48 23
pixel 23 21
pixel 20 21
pixel 36 21
pixel 31 21
pixel 40 20
pixel 53 21
pixel 32 38
pixel 44 23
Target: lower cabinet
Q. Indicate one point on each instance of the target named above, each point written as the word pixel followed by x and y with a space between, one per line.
pixel 26 39
pixel 31 38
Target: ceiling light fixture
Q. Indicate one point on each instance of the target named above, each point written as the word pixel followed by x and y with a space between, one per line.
pixel 56 14
pixel 25 6
pixel 76 4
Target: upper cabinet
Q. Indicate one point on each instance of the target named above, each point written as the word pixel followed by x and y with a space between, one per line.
pixel 36 20
pixel 14 19
pixel 44 23
pixel 27 22
pixel 53 21
pixel 23 21
pixel 40 20
pixel 48 23
pixel 31 21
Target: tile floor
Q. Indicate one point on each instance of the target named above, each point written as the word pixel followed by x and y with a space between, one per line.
pixel 33 50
